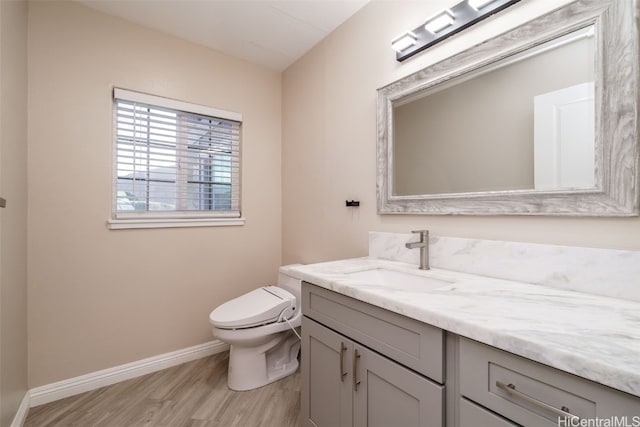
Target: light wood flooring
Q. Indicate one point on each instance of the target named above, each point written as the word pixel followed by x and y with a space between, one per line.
pixel 191 395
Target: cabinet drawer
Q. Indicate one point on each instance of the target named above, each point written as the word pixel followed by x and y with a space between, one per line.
pixel 530 393
pixel 414 344
pixel 472 415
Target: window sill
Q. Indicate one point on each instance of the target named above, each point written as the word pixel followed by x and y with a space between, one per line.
pixel 120 224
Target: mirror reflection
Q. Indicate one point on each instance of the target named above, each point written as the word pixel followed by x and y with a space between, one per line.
pixel 525 122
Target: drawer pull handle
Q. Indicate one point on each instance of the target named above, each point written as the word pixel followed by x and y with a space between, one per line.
pixel 511 389
pixel 343 350
pixel 356 381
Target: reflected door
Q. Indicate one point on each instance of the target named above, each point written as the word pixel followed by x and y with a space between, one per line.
pixel 564 141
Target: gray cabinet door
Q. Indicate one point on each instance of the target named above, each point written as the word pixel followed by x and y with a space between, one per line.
pixel 388 394
pixel 345 384
pixel 326 377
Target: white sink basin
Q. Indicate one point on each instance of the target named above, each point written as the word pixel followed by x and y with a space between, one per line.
pixel 398 280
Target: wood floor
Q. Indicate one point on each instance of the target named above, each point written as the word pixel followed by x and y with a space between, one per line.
pixel 191 395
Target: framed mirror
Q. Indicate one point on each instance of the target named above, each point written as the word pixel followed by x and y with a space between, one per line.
pixel 541 120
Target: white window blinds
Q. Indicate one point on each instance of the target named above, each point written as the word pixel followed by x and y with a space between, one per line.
pixel 174 159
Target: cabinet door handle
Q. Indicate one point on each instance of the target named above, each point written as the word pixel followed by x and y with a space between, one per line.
pixel 356 381
pixel 343 350
pixel 511 389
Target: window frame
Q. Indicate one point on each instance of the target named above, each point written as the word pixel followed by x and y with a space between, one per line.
pixel 161 219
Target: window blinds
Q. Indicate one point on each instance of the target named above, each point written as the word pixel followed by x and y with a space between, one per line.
pixel 175 159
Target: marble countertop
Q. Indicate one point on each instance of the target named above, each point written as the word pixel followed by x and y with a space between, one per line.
pixel 591 336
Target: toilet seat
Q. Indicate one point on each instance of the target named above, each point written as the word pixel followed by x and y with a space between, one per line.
pixel 268 304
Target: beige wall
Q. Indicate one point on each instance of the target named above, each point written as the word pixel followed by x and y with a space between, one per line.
pixel 329 142
pixel 13 218
pixel 99 298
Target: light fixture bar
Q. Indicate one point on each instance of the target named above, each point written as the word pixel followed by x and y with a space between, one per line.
pixel 445 24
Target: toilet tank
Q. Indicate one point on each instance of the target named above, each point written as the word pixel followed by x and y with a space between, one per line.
pixel 289 283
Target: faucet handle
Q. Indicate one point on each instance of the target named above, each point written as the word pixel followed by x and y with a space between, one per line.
pixel 424 234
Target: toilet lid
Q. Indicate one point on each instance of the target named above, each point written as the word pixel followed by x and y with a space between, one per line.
pixel 258 307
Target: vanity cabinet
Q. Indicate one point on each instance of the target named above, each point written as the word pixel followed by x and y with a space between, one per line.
pixel 518 390
pixel 350 374
pixel 363 365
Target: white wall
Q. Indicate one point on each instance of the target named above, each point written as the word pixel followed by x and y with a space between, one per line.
pixel 329 142
pixel 97 297
pixel 13 218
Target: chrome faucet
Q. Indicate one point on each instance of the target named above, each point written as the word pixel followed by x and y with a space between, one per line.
pixel 423 244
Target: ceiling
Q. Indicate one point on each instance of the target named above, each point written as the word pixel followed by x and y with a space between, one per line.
pixel 274 33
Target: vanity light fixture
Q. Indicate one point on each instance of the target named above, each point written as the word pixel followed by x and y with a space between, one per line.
pixel 439 22
pixel 445 24
pixel 479 4
pixel 404 41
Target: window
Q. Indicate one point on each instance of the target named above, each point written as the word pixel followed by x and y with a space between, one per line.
pixel 174 162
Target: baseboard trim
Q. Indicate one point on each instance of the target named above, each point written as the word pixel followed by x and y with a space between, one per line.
pixel 23 411
pixel 61 389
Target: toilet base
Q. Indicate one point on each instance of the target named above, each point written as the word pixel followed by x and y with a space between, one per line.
pixel 254 367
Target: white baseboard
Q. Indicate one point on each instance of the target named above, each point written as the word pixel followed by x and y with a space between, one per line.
pixel 61 389
pixel 23 410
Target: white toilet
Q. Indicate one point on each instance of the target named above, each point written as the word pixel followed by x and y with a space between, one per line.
pixel 259 327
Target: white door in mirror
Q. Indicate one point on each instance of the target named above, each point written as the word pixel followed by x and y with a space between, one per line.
pixel 564 141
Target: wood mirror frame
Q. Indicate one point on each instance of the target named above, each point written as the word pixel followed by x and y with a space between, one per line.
pixel 616 116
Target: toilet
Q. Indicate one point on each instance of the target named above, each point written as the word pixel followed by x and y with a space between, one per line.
pixel 259 327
